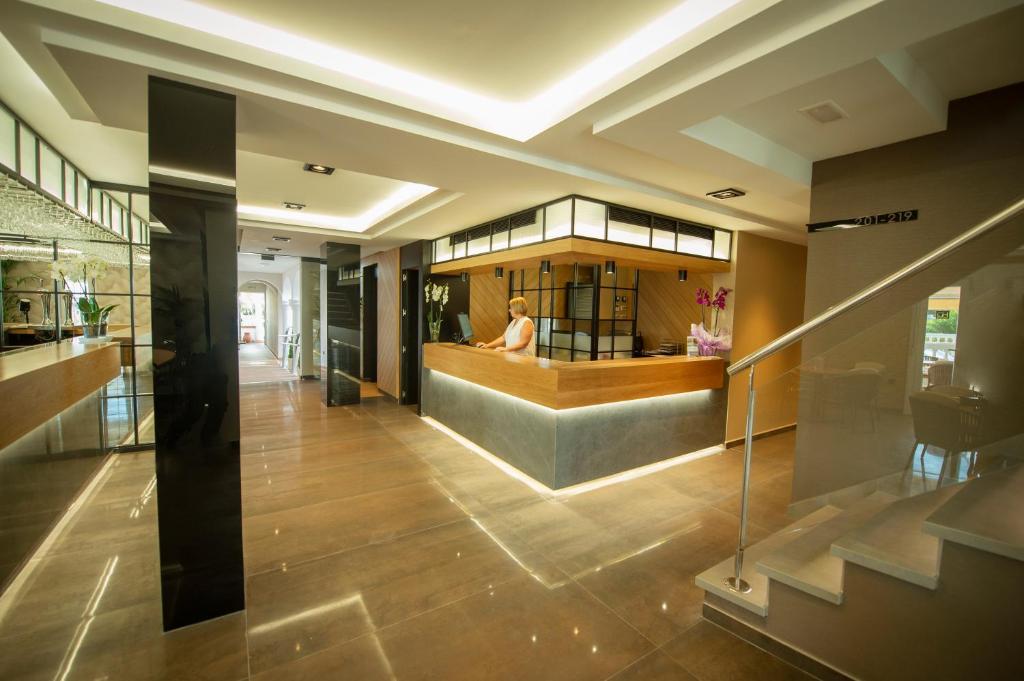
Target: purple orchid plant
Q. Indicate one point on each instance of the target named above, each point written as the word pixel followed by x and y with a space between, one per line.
pixel 718 339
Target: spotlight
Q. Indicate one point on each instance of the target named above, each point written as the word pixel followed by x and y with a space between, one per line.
pixel 499 272
pixel 464 277
pixel 545 267
pixel 318 168
pixel 609 267
pixel 682 275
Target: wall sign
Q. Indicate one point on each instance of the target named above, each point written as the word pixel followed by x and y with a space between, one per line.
pixel 880 219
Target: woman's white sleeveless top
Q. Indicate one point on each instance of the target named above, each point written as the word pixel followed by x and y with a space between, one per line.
pixel 512 334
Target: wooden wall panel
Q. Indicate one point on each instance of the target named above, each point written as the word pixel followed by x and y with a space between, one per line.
pixel 666 306
pixel 488 305
pixel 768 302
pixel 389 316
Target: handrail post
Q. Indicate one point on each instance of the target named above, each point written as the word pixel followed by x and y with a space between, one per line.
pixel 736 582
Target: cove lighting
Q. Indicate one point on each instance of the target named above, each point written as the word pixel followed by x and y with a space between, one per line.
pixel 405 195
pixel 182 174
pixel 572 490
pixel 516 120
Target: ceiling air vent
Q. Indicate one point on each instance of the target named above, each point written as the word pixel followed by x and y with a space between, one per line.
pixel 727 193
pixel 629 217
pixel 500 226
pixel 824 112
pixel 267 257
pixel 479 232
pixel 696 230
pixel 664 224
pixel 523 219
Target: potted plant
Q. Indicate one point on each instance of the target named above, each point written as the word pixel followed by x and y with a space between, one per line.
pixel 436 298
pixel 717 339
pixel 94 315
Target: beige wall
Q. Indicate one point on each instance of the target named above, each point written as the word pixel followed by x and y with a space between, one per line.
pixel 767 302
pixel 389 317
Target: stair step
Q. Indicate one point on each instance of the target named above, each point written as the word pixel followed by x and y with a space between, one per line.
pixel 713 579
pixel 986 515
pixel 806 563
pixel 893 542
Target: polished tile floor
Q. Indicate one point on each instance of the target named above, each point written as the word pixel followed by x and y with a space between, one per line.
pixel 377 548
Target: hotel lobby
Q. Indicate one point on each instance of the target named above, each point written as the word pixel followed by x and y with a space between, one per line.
pixel 600 341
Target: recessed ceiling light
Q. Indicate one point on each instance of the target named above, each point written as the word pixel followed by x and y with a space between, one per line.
pixel 824 112
pixel 291 205
pixel 282 239
pixel 727 193
pixel 318 168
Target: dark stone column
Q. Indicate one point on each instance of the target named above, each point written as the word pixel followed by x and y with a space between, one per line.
pixel 195 351
pixel 339 316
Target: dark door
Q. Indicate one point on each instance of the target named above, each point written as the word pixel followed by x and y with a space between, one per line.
pixel 409 391
pixel 370 323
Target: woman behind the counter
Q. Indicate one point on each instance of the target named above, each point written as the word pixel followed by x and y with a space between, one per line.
pixel 518 337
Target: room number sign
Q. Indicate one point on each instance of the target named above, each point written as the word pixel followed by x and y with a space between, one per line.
pixel 880 219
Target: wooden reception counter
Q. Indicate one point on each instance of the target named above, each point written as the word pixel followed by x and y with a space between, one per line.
pixel 563 385
pixel 39 383
pixel 565 423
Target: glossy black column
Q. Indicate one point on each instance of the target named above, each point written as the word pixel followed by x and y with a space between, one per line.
pixel 195 351
pixel 340 316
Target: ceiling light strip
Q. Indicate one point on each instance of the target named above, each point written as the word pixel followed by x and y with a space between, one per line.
pixel 517 120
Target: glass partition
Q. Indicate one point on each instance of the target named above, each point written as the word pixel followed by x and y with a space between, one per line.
pixel 579 313
pixel 62 238
pixel 580 217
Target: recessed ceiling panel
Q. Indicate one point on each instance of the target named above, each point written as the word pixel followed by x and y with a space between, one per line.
pixel 507 50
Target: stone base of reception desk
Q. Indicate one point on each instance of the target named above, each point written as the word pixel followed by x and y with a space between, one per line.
pixel 564 447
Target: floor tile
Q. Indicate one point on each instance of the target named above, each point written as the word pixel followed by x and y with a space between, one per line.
pixel 316 530
pixel 518 630
pixel 655 666
pixel 341 597
pixel 712 654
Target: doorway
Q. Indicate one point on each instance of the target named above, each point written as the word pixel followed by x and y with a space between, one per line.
pixel 939 344
pixel 369 363
pixel 409 390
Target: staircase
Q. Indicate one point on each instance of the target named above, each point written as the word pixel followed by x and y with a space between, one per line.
pixel 925 587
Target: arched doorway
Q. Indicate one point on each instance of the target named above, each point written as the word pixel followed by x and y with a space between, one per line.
pixel 259 314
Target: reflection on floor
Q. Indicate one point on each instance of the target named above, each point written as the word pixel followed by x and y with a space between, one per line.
pixel 377 548
pixel 256 364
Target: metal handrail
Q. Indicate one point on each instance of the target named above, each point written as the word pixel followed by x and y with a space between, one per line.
pixel 866 294
pixel 736 582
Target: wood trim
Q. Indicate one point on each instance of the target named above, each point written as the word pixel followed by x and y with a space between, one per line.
pixel 39 384
pixel 563 385
pixel 573 249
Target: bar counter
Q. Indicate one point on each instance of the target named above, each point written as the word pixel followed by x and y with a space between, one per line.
pixel 51 437
pixel 38 383
pixel 565 423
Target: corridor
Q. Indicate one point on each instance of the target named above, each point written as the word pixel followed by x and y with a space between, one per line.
pixel 374 542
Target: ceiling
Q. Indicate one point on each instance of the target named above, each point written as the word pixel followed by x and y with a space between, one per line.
pixel 479 128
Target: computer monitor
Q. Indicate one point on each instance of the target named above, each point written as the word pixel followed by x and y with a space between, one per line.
pixel 467 328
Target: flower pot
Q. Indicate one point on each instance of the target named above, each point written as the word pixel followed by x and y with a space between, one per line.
pixel 93 332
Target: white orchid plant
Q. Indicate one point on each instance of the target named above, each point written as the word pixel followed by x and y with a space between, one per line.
pixel 436 298
pixel 93 314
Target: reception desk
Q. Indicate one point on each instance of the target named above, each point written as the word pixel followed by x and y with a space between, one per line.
pixel 565 423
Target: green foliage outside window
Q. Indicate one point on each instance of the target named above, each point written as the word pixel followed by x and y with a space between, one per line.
pixel 947 325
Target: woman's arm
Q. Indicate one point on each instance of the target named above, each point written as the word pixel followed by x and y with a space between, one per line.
pixel 496 343
pixel 524 338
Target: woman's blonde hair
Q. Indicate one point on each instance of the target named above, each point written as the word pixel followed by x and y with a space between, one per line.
pixel 518 305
